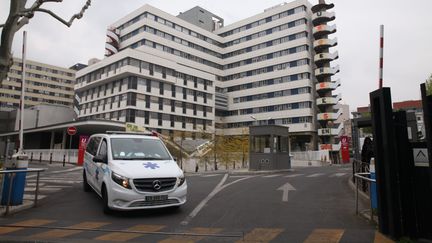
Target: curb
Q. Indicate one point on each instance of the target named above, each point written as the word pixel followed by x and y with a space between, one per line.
pixel 15 209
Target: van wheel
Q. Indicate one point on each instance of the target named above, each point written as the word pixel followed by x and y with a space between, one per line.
pixel 106 208
pixel 86 186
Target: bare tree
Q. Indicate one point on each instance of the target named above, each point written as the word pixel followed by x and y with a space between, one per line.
pixel 19 16
pixel 429 85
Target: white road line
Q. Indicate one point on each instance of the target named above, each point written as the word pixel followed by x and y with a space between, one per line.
pixel 58 181
pixel 270 176
pixel 57 172
pixel 34 184
pixel 293 175
pixel 345 169
pixel 204 202
pixel 43 189
pixel 315 175
pixel 210 175
pixel 32 196
pixel 338 174
pixel 215 191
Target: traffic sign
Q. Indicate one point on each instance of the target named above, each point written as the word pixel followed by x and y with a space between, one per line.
pixel 71 131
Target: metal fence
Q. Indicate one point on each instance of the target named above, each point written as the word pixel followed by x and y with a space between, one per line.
pixel 10 175
pixel 322 156
pixel 53 155
pixel 363 177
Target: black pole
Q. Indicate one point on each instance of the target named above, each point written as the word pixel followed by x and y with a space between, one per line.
pixel 386 165
pixel 427 118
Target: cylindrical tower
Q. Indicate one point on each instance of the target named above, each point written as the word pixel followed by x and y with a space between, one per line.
pixel 327 113
pixel 112 42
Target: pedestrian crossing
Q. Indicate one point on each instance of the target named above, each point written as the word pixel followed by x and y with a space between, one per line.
pixel 52 182
pixel 313 175
pixel 44 229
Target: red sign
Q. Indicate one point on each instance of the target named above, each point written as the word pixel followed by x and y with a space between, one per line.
pixel 345 149
pixel 82 148
pixel 71 130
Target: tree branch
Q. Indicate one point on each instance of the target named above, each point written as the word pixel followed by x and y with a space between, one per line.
pixel 67 23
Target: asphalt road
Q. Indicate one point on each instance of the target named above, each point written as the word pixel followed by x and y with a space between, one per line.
pixel 316 205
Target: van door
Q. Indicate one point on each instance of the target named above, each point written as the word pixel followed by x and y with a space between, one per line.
pixel 101 168
pixel 89 165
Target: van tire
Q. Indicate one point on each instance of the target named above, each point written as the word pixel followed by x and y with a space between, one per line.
pixel 86 186
pixel 106 208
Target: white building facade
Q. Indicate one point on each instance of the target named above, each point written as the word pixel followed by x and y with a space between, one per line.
pixel 182 73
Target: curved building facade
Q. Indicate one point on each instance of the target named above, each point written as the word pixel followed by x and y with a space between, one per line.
pixel 190 73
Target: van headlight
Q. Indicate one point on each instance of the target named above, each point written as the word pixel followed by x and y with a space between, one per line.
pixel 180 180
pixel 121 180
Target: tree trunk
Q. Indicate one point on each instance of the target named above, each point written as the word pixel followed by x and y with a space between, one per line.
pixel 8 32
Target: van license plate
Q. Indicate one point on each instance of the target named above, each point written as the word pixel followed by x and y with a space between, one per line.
pixel 156 198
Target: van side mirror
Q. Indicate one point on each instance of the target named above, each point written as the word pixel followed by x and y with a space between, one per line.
pixel 99 159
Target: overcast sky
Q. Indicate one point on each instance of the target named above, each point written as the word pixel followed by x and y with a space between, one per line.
pixel 407 53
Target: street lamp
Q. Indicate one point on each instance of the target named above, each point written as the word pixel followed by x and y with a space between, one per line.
pixel 256 120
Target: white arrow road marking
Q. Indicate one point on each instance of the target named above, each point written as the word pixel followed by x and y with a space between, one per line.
pixel 293 175
pixel 285 188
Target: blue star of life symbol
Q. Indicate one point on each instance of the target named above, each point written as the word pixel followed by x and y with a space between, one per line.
pixel 151 165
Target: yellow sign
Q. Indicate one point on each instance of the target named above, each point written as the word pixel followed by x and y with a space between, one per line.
pixel 132 127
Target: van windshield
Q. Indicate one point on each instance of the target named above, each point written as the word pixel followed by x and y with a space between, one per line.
pixel 138 149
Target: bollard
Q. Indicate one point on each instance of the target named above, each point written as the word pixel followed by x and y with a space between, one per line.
pixel 50 158
pixel 31 157
pixel 40 158
pixel 64 159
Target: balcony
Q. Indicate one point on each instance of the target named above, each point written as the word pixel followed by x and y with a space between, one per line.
pixel 326 86
pixel 329 100
pixel 331 147
pixel 322 30
pixel 321 44
pixel 322 58
pixel 326 71
pixel 322 17
pixel 329 116
pixel 322 7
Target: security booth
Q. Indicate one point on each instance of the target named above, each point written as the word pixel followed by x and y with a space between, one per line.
pixel 269 148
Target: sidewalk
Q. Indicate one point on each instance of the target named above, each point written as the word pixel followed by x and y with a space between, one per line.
pixel 53 168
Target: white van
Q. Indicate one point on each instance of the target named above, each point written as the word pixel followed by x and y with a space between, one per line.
pixel 132 171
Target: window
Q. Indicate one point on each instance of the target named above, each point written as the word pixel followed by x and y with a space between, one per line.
pixel 93 145
pixel 161 88
pixel 146 117
pixel 103 150
pixel 173 90
pixel 172 105
pixel 184 107
pixel 148 85
pixel 160 104
pixel 172 121
pixel 132 83
pixel 147 101
pixel 130 115
pixel 184 93
pixel 131 99
pixel 159 119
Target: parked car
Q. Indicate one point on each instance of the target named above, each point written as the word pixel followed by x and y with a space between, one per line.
pixel 132 171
